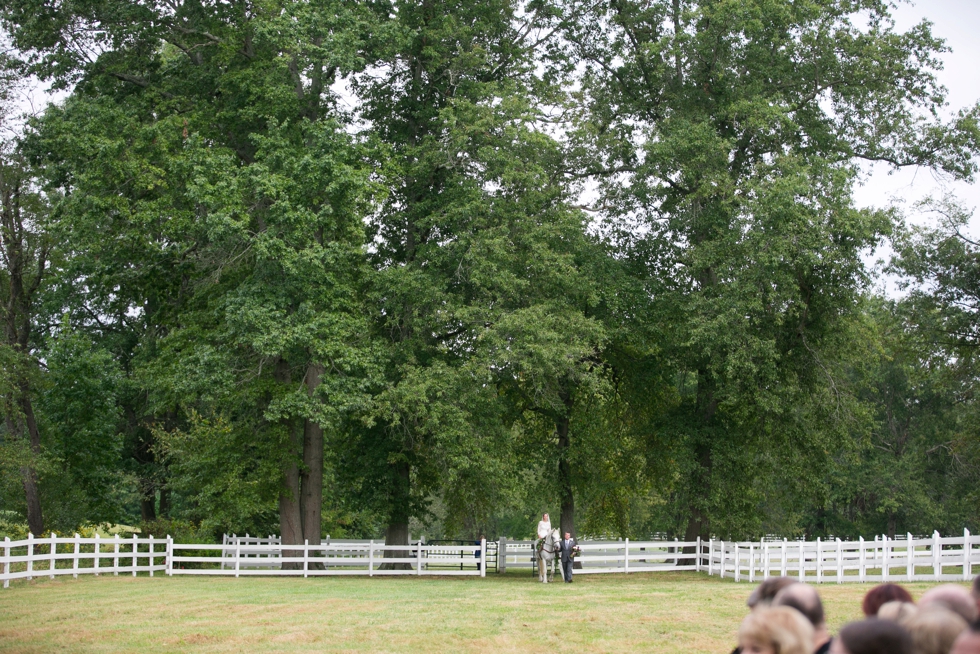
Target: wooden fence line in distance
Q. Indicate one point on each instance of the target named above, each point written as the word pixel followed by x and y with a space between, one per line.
pixel 882 559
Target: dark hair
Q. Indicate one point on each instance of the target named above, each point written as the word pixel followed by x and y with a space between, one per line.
pixel 976 586
pixel 874 636
pixel 804 599
pixel 765 592
pixel 882 594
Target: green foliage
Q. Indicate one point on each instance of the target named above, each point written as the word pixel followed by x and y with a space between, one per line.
pixel 363 216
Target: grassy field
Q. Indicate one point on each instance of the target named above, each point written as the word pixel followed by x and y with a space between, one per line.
pixel 659 612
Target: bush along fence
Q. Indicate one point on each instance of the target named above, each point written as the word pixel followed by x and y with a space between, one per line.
pixel 882 559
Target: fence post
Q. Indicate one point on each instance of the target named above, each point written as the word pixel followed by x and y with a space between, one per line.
pixel 697 555
pixel 6 561
pixel 884 557
pixel 52 552
pixel 30 555
pixel 483 556
pixel 782 559
pixel 115 557
pixel 502 555
pixel 169 557
pixel 418 558
pixel 306 556
pixel 711 556
pixel 371 558
pixel 721 551
pixel 74 565
pixel 96 550
pixel 967 564
pixel 765 558
pixel 937 556
pixel 738 560
pixel 136 549
pixel 910 557
pixel 840 562
pixel 802 560
pixel 751 562
pixel 152 559
pixel 238 556
pixel 819 562
pixel 862 566
pixel 626 556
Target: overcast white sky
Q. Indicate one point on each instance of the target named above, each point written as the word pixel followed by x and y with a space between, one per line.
pixel 957 21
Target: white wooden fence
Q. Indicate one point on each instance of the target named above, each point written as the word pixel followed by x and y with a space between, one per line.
pixel 882 559
pixel 37 557
pixel 599 557
pixel 236 556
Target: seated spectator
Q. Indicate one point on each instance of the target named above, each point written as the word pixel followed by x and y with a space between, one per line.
pixel 775 630
pixel 968 642
pixel 897 611
pixel 872 636
pixel 955 598
pixel 805 599
pixel 765 592
pixel 934 629
pixel 976 593
pixel 881 594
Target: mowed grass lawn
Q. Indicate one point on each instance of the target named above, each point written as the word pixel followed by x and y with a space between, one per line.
pixel 652 612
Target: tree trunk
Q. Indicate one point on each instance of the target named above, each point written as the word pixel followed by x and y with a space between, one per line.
pixel 567 520
pixel 563 432
pixel 699 490
pixel 164 503
pixel 148 510
pixel 35 519
pixel 311 478
pixel 397 531
pixel 290 514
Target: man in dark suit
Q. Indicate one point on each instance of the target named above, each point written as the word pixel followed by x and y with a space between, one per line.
pixel 568 546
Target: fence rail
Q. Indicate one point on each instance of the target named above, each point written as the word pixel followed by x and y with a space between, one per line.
pixel 883 559
pixel 910 559
pixel 39 557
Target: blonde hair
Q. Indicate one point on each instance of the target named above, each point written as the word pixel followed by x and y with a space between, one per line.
pixel 898 611
pixel 934 629
pixel 782 628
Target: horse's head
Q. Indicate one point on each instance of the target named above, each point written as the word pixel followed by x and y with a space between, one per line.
pixel 555 536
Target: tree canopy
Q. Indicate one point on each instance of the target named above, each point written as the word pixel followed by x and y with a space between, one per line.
pixel 365 268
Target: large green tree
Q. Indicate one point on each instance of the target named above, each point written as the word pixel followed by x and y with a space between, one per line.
pixel 724 139
pixel 215 203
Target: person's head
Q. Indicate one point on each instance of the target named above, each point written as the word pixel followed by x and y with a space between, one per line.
pixel 804 599
pixel 897 611
pixel 872 636
pixel 883 593
pixel 955 598
pixel 545 517
pixel 968 641
pixel 765 592
pixel 934 629
pixel 775 630
pixel 567 535
pixel 976 592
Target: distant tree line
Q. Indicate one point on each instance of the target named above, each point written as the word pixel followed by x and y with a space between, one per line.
pixel 365 267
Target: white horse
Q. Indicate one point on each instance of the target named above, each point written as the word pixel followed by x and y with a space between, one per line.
pixel 547 555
